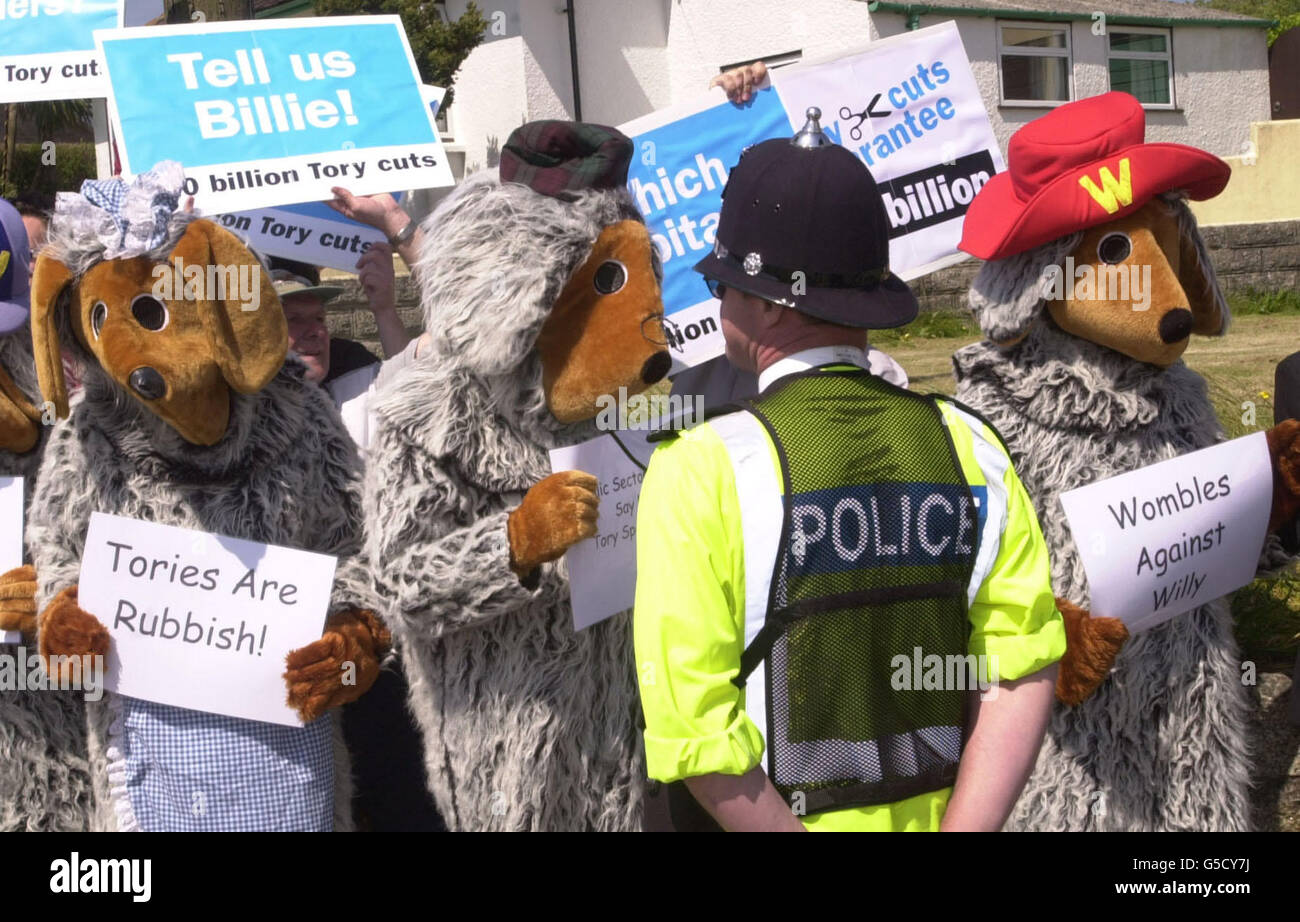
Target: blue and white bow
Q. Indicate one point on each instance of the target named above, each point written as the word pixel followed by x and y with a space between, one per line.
pixel 129 219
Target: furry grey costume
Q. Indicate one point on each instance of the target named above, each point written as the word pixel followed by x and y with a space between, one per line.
pixel 285 473
pixel 1161 745
pixel 527 723
pixel 44 774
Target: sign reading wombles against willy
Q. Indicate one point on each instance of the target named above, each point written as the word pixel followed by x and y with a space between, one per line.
pixel 274 113
pixel 1167 538
pixel 202 621
pixel 47 48
pixel 907 106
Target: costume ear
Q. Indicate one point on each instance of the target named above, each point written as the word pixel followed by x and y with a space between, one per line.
pixel 1007 295
pixel 48 283
pixel 249 341
pixel 1196 275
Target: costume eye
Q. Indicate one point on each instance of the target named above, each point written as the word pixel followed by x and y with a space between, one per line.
pixel 1114 248
pixel 149 312
pixel 610 277
pixel 98 314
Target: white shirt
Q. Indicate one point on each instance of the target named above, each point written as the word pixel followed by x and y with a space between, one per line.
pixel 353 391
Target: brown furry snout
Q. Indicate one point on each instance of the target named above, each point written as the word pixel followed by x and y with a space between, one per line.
pixel 1134 286
pixel 171 369
pixel 606 329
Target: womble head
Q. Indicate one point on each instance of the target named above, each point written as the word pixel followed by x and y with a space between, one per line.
pixel 1090 221
pixel 155 297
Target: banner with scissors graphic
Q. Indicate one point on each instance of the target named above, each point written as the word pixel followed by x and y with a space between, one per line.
pixel 907 106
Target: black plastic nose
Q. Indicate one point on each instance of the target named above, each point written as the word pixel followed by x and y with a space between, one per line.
pixel 656 367
pixel 1176 325
pixel 148 383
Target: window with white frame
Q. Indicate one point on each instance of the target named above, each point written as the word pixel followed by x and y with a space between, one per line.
pixel 1034 62
pixel 772 61
pixel 1141 63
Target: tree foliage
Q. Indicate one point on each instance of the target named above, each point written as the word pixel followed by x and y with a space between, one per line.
pixel 1285 12
pixel 439 47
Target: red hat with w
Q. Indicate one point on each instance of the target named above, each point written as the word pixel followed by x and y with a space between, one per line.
pixel 1083 164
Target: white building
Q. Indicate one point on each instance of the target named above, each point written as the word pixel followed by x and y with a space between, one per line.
pixel 1202 73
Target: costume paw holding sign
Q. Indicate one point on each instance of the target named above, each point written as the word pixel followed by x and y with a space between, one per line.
pixel 556 514
pixel 18 601
pixel 354 640
pixel 193 418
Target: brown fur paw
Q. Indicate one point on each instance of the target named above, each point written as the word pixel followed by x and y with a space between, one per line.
pixel 338 668
pixel 1091 647
pixel 67 630
pixel 556 514
pixel 18 601
pixel 1284 449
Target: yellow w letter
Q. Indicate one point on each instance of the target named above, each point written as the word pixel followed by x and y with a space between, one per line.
pixel 1111 190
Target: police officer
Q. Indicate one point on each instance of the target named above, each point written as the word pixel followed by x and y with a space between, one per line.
pixel 844 617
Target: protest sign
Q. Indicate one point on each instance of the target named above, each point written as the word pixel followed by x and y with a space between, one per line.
pixel 910 109
pixel 11 535
pixel 602 569
pixel 1164 539
pixel 274 113
pixel 202 621
pixel 907 106
pixel 312 232
pixel 680 163
pixel 47 48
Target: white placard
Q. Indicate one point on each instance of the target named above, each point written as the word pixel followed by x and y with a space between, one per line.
pixel 11 535
pixel 202 621
pixel 907 107
pixel 602 570
pixel 1162 540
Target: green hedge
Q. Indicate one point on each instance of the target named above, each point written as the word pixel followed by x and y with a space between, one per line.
pixel 73 162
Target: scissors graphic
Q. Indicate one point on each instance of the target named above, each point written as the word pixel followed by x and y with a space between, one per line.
pixel 855 130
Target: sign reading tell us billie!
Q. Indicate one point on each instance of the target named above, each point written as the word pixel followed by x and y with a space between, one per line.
pixel 273 113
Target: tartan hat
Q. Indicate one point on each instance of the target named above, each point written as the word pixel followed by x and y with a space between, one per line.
pixel 561 159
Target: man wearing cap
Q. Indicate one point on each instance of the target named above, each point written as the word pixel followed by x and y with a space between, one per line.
pixel 806 561
pixel 385 745
pixel 347 369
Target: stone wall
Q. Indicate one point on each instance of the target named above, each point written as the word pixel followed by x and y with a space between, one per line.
pixel 1265 257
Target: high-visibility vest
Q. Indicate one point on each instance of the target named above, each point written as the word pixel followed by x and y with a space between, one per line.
pixel 868 556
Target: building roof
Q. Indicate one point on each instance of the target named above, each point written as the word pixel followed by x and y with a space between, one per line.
pixel 1131 12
